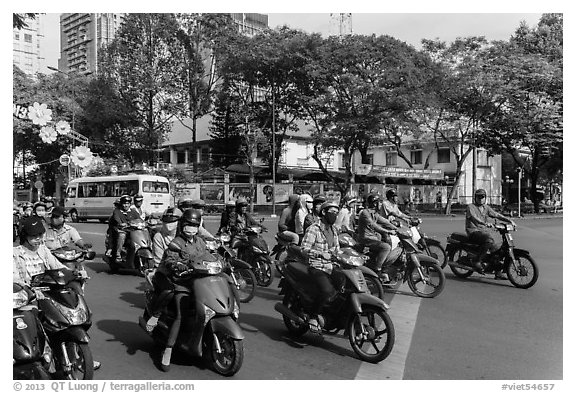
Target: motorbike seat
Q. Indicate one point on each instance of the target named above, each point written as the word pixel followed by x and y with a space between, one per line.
pixel 298 270
pixel 460 236
pixel 283 239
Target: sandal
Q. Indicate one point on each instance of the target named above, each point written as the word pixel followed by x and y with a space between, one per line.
pixel 151 324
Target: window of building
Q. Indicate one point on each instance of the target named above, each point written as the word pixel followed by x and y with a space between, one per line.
pixel 16 35
pixel 416 156
pixel 28 38
pixel 341 164
pixel 483 159
pixel 180 157
pixel 443 155
pixel 205 154
pixel 391 158
pixel 16 46
pixel 369 159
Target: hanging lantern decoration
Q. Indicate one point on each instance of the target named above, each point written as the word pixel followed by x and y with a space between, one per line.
pixel 63 127
pixel 48 134
pixel 81 156
pixel 39 114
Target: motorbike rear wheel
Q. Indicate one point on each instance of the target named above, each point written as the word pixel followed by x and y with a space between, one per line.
pixel 455 256
pixel 295 329
pixel 433 284
pixel 82 363
pixel 523 272
pixel 436 251
pixel 228 361
pixel 247 284
pixel 375 287
pixel 366 331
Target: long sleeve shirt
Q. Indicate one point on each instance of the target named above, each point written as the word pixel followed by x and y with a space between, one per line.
pixel 477 217
pixel 26 263
pixel 372 225
pixel 160 243
pixel 315 243
pixel 180 253
pixel 118 217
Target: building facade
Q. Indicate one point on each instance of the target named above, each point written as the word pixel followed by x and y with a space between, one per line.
pixel 27 46
pixel 82 36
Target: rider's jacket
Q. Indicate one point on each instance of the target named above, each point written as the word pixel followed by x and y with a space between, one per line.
pixel 118 217
pixel 179 254
pixel 320 238
pixel 477 217
pixel 57 238
pixel 238 222
pixel 370 225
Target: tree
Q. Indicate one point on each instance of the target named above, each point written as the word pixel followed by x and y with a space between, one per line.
pixel 19 20
pixel 142 62
pixel 525 80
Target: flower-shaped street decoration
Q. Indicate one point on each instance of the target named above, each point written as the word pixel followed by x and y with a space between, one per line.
pixel 48 134
pixel 39 114
pixel 81 156
pixel 63 127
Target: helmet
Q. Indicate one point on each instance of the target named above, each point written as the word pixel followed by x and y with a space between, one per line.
pixel 372 199
pixel 318 199
pixel 58 211
pixel 138 197
pixel 191 217
pixel 197 204
pixel 230 204
pixel 348 199
pixel 125 198
pixel 480 192
pixel 32 226
pixel 40 203
pixel 327 205
pixel 26 205
pixel 241 202
pixel 390 193
pixel 171 214
pixel 184 204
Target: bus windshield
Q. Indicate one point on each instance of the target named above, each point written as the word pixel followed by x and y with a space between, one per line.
pixel 155 186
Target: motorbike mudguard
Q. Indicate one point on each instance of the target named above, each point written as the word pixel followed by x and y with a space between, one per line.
pixel 145 253
pixel 432 242
pixel 367 271
pixel 74 333
pixel 239 264
pixel 357 300
pixel 227 326
pixel 426 260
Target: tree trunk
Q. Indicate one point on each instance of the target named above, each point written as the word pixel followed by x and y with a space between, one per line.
pixel 534 174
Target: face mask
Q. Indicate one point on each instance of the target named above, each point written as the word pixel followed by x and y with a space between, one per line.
pixel 190 230
pixel 330 217
pixel 171 226
pixel 40 213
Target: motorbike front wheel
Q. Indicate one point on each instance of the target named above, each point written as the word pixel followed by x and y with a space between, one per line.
pixel 375 287
pixel 371 334
pixel 263 272
pixel 224 353
pixel 246 284
pixel 81 362
pixel 523 271
pixel 432 282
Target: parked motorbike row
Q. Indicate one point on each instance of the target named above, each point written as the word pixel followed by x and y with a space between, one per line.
pixel 50 330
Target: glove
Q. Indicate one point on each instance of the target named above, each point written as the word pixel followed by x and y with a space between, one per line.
pixel 179 267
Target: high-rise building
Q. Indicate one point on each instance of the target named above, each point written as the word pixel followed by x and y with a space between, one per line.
pixel 250 24
pixel 82 36
pixel 27 49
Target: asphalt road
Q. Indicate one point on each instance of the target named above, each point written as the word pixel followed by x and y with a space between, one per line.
pixel 477 328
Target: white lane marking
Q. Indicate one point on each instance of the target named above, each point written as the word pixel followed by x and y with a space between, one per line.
pixel 404 313
pixel 93 233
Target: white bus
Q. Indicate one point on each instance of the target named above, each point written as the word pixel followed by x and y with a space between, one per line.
pixel 93 197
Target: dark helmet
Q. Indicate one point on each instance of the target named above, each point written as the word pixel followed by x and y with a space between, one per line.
pixel 318 200
pixel 480 192
pixel 241 202
pixel 138 197
pixel 372 199
pixel 171 214
pixel 39 203
pixel 327 205
pixel 391 193
pixel 185 204
pixel 125 198
pixel 348 199
pixel 32 226
pixel 26 205
pixel 191 217
pixel 198 204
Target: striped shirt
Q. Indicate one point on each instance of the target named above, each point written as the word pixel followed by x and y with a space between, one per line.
pixel 57 238
pixel 314 243
pixel 27 263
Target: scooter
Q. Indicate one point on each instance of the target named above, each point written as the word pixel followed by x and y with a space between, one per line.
pixel 253 249
pixel 362 316
pixel 427 244
pixel 66 318
pixel 209 326
pixel 520 267
pixel 73 257
pixel 240 272
pixel 31 353
pixel 141 241
pixel 406 263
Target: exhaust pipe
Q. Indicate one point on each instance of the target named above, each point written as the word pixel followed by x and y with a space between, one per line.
pixel 282 309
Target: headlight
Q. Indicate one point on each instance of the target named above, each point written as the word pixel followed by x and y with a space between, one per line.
pixel 355 261
pixel 213 267
pixel 256 229
pixel 75 316
pixel 19 299
pixel 208 314
pixel 236 311
pixel 509 227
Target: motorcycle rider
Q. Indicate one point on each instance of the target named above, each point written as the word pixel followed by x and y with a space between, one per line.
pixel 166 234
pixel 197 204
pixel 39 210
pixel 345 219
pixel 314 215
pixel 477 225
pixel 117 228
pixel 319 243
pixel 49 201
pixel 286 222
pixel 59 234
pixel 304 208
pixel 136 210
pixel 374 232
pixel 186 245
pixel 27 208
pixel 225 218
pixel 240 218
pixel 390 209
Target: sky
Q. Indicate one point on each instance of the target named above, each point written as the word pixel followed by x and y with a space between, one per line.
pixel 408 27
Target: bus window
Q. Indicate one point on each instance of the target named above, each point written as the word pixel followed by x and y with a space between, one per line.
pixel 71 192
pixel 155 186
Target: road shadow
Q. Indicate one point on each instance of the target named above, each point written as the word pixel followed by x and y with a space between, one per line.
pixel 275 330
pixel 482 280
pixel 136 299
pixel 268 293
pixel 127 333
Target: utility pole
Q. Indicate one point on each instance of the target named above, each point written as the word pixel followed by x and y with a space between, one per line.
pixel 273 154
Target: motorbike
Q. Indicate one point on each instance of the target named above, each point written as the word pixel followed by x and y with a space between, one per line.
pixel 427 244
pixel 240 272
pixel 141 241
pixel 31 354
pixel 253 249
pixel 406 263
pixel 15 225
pixel 66 318
pixel 279 250
pixel 352 308
pixel 520 267
pixel 209 327
pixel 73 257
